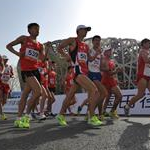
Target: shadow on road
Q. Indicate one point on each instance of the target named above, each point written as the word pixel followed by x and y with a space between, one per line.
pixel 134 136
pixel 33 137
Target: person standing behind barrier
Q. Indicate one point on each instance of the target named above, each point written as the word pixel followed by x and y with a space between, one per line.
pixel 109 80
pixel 29 54
pixel 78 57
pixel 143 74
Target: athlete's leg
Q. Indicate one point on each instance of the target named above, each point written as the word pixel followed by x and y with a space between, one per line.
pixel 141 86
pixel 118 97
pixel 44 96
pixel 69 96
pixel 103 94
pixel 23 100
pixel 93 93
pixel 36 92
pixel 106 101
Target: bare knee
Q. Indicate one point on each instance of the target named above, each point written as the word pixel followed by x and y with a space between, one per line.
pixel 94 93
pixel 37 92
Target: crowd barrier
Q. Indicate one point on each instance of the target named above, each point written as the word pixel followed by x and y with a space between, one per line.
pixel 142 107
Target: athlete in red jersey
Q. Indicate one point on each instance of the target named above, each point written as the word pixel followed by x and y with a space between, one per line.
pixel 52 87
pixel 43 67
pixel 4 82
pixel 109 80
pixel 143 74
pixel 29 53
pixel 67 83
pixel 52 78
pixel 68 79
pixel 78 58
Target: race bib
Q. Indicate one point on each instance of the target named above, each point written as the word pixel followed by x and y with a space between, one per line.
pixel 32 54
pixel 52 81
pixel 147 70
pixel 96 62
pixel 82 56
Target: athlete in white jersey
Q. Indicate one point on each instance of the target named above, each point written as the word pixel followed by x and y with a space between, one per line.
pixel 94 65
pixel 94 74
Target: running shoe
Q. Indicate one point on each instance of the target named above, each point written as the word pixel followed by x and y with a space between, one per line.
pixel 16 123
pixel 4 117
pixel 127 110
pixel 114 115
pixel 33 116
pixel 61 120
pixel 19 124
pixel 41 117
pixel 53 115
pixel 26 121
pixel 49 114
pixel 94 121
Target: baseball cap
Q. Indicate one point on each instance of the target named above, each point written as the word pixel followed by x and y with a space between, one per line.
pixel 83 27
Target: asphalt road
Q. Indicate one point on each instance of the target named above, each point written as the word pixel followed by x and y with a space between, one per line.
pixel 122 134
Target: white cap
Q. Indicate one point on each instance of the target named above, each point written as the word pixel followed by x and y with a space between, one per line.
pixel 4 57
pixel 83 27
pixel 106 48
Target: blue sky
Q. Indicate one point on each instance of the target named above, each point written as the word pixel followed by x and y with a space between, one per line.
pixel 58 19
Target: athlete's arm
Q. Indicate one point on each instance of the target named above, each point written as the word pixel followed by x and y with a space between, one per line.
pixel 47 47
pixel 64 44
pixel 103 65
pixel 91 58
pixel 42 56
pixel 19 40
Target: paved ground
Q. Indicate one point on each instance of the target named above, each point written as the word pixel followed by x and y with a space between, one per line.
pixel 123 134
